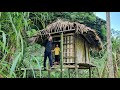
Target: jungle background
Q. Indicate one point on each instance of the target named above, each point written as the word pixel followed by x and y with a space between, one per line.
pixel 17 53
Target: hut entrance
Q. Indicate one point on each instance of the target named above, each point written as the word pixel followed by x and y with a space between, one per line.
pixel 68 47
pixel 56 40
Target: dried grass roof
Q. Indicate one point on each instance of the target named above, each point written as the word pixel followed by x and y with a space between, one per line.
pixel 66 26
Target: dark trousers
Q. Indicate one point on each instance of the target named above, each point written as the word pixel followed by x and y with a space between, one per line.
pixel 49 55
pixel 57 58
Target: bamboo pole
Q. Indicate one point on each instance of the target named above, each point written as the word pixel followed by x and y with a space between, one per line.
pixel 76 69
pixel 61 61
pixel 85 51
pixel 41 32
pixel 89 72
pixel 49 71
pixel 69 72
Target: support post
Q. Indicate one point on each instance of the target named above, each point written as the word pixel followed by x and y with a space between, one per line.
pixel 26 73
pixel 76 63
pixel 49 71
pixel 69 72
pixel 85 51
pixel 89 72
pixel 61 61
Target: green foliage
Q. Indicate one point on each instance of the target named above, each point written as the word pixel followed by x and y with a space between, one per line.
pixel 115 33
pixel 15 54
pixel 103 31
pixel 12 69
pixel 3 43
pixel 32 32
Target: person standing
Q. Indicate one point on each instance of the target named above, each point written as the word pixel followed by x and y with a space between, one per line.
pixel 57 54
pixel 48 51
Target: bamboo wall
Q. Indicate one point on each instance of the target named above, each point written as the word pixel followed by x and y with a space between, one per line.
pixel 87 53
pixel 68 49
pixel 80 48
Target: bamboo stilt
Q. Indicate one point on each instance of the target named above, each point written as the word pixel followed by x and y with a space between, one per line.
pixel 61 61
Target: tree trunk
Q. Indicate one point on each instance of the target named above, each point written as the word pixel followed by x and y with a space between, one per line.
pixel 109 47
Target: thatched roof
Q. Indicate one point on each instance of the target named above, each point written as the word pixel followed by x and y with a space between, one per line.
pixel 66 26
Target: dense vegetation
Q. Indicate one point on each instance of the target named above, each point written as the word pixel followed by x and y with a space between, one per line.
pixel 15 52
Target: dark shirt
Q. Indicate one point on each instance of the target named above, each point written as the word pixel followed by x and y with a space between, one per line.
pixel 48 45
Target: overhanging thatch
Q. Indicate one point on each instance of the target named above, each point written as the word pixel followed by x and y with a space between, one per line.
pixel 66 26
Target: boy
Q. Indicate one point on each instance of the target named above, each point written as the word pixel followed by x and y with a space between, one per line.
pixel 57 54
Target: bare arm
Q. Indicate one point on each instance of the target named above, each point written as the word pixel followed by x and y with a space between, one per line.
pixel 53 50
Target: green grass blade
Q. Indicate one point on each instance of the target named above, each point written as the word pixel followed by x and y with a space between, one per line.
pixel 4 40
pixel 38 65
pixel 22 47
pixel 10 17
pixel 32 70
pixel 14 64
pixel 24 75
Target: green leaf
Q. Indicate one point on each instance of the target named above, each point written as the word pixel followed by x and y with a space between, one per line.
pixel 38 65
pixel 14 64
pixel 4 40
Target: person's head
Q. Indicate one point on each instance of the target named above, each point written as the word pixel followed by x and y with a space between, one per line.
pixel 56 45
pixel 50 38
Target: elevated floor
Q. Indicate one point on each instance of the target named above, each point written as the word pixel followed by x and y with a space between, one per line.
pixel 57 67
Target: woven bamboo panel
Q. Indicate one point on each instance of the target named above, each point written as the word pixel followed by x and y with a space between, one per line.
pixel 68 49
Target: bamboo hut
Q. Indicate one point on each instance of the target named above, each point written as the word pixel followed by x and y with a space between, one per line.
pixel 78 39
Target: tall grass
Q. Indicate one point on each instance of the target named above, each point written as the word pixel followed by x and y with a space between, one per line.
pixel 18 22
pixel 39 66
pixel 12 69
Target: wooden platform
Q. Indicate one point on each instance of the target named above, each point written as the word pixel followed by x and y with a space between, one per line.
pixel 56 68
pixel 65 63
pixel 79 66
pixel 36 69
pixel 67 67
pixel 68 63
pixel 85 65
